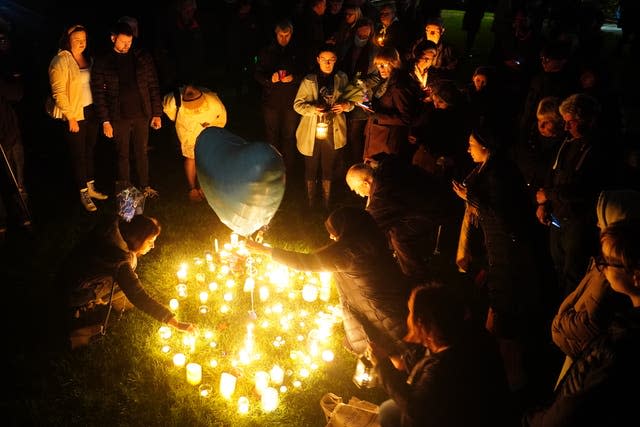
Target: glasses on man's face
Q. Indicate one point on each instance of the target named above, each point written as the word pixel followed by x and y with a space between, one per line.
pixel 383 65
pixel 602 264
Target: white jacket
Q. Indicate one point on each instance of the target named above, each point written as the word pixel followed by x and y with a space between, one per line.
pixel 66 88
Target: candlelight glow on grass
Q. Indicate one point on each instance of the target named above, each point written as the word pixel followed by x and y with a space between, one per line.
pixel 256 342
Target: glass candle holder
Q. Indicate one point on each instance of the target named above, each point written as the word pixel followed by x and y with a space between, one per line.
pixel 227 385
pixel 194 373
pixel 322 130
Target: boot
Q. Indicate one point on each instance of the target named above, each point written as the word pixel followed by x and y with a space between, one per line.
pixel 326 194
pixel 311 193
pixel 95 194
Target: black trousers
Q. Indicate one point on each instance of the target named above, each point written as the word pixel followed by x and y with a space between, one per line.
pixel 81 147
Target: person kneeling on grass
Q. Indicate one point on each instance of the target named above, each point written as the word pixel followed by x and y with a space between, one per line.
pixel 100 277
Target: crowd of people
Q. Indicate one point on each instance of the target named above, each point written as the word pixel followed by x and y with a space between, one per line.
pixel 499 235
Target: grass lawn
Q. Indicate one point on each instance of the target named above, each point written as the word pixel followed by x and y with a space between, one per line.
pixel 124 379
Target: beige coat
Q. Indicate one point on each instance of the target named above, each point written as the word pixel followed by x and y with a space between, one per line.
pixel 305 105
pixel 64 77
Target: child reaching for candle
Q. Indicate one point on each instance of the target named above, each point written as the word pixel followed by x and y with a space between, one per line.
pixel 100 277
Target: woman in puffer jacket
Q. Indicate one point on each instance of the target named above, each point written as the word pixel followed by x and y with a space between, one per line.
pixel 373 291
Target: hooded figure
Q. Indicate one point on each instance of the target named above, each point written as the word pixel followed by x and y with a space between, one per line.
pixel 587 311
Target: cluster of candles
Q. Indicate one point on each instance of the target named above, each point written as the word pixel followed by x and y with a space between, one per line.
pixel 263 329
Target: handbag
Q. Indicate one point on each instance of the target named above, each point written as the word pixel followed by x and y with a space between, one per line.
pixel 356 413
pixel 51 109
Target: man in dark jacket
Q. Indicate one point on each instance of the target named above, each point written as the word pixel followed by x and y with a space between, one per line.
pixel 279 76
pixel 415 211
pixel 126 93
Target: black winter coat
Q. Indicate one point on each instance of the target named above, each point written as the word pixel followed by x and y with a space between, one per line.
pixel 105 86
pixel 506 217
pixel 373 291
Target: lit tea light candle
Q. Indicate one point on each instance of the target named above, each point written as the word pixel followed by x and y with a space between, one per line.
pixel 224 308
pixel 304 372
pixel 277 375
pixel 204 296
pixel 283 389
pixel 322 130
pixel 164 332
pixel 227 385
pixel 249 284
pixel 264 293
pixel 213 363
pixel 208 256
pixel 173 304
pixel 179 360
pixel 205 390
pixel 243 405
pixel 203 309
pixel 208 334
pixel 194 373
pixel 224 270
pixel 234 239
pixel 182 272
pixel 228 296
pixel 189 341
pixel 213 286
pixel 261 381
pixel 297 383
pixel 269 399
pixel 230 283
pixel 328 356
pixel 182 290
pixel 165 349
pixel 309 293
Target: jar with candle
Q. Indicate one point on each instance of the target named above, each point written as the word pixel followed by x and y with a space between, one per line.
pixel 322 127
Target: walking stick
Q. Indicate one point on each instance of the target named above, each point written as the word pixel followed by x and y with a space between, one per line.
pixel 24 213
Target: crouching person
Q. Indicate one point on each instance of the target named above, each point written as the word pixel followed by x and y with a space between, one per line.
pixel 101 279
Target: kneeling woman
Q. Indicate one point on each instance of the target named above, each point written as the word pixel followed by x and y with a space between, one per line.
pixel 100 276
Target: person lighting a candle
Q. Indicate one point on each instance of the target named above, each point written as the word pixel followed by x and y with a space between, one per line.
pixel 99 277
pixel 322 99
pixel 373 291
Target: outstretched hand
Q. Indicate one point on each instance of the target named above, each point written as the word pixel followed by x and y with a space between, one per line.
pixel 254 246
pixel 182 326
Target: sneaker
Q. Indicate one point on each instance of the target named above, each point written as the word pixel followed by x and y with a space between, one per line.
pixel 150 192
pixel 86 201
pixel 95 194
